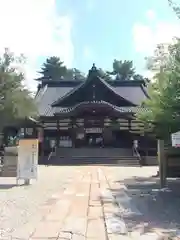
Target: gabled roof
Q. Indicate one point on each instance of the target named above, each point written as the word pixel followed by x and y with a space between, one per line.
pixel 92 79
pixel 133 92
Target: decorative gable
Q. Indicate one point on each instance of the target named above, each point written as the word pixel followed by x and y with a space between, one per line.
pixel 93 89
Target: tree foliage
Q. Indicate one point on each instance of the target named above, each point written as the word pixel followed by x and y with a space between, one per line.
pixel 74 74
pixel 104 75
pixel 123 70
pixel 175 7
pixel 15 100
pixel 164 92
pixel 53 69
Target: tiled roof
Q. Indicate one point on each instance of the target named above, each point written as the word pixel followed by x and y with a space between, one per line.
pixel 59 110
pixel 135 94
pixel 84 84
pixel 132 91
pixel 47 96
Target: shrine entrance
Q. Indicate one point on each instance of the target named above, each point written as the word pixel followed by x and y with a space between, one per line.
pixel 94 140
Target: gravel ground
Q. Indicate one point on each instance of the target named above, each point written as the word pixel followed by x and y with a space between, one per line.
pixel 160 208
pixel 18 204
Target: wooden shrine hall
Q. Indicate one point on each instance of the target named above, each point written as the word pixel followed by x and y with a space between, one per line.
pixel 90 114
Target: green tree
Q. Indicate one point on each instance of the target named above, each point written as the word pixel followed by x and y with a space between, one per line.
pixel 175 7
pixel 74 74
pixel 164 92
pixel 16 102
pixel 78 75
pixel 123 70
pixel 163 106
pixel 53 69
pixel 104 75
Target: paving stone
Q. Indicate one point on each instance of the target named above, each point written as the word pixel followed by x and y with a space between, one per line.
pixel 96 229
pixel 76 226
pixel 25 202
pixel 64 236
pixel 59 212
pixel 47 230
pixel 76 203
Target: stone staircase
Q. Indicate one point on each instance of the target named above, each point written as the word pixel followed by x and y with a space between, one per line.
pixel 8 171
pixel 87 156
pixel 9 168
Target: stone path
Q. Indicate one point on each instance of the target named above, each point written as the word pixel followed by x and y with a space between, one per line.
pixel 81 204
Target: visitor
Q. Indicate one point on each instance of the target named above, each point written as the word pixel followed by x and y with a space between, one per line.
pixel 53 150
pixel 135 147
pixel 2 149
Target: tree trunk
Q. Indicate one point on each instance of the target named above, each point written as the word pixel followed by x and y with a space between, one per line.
pixel 162 163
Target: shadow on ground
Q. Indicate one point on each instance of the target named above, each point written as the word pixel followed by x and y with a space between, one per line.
pixel 7 186
pixel 160 208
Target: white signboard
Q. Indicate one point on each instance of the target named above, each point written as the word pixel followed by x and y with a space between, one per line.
pixel 93 130
pixel 175 137
pixel 27 159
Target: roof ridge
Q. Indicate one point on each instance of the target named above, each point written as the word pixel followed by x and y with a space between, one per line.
pixel 68 93
pixel 113 90
pixel 83 84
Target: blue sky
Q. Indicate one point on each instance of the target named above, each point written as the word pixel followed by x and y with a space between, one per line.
pixel 102 30
pixel 81 32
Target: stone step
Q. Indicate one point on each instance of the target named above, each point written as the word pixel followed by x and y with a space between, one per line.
pixel 8 174
pixel 9 167
pixel 56 160
pixel 93 152
pixel 99 157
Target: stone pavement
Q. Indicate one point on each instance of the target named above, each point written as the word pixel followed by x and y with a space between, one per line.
pixel 86 208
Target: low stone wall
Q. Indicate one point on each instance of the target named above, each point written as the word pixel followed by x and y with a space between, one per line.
pixel 173 166
pixel 150 161
pixel 9 168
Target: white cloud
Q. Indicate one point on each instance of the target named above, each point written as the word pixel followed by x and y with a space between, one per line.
pixel 147 36
pixel 32 27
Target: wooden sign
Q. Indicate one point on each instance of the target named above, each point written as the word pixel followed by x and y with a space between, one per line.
pixel 175 137
pixel 93 130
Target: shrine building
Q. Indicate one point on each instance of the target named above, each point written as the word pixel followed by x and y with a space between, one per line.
pixel 82 117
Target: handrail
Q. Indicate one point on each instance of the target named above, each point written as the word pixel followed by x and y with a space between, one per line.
pixel 138 155
pixel 50 155
pixel 53 150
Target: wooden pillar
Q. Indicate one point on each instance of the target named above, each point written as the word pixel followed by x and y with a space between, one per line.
pixel 162 163
pixel 58 133
pixel 73 137
pixel 129 124
pixel 26 181
pixel 41 141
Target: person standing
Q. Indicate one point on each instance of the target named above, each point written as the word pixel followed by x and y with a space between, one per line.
pixel 135 147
